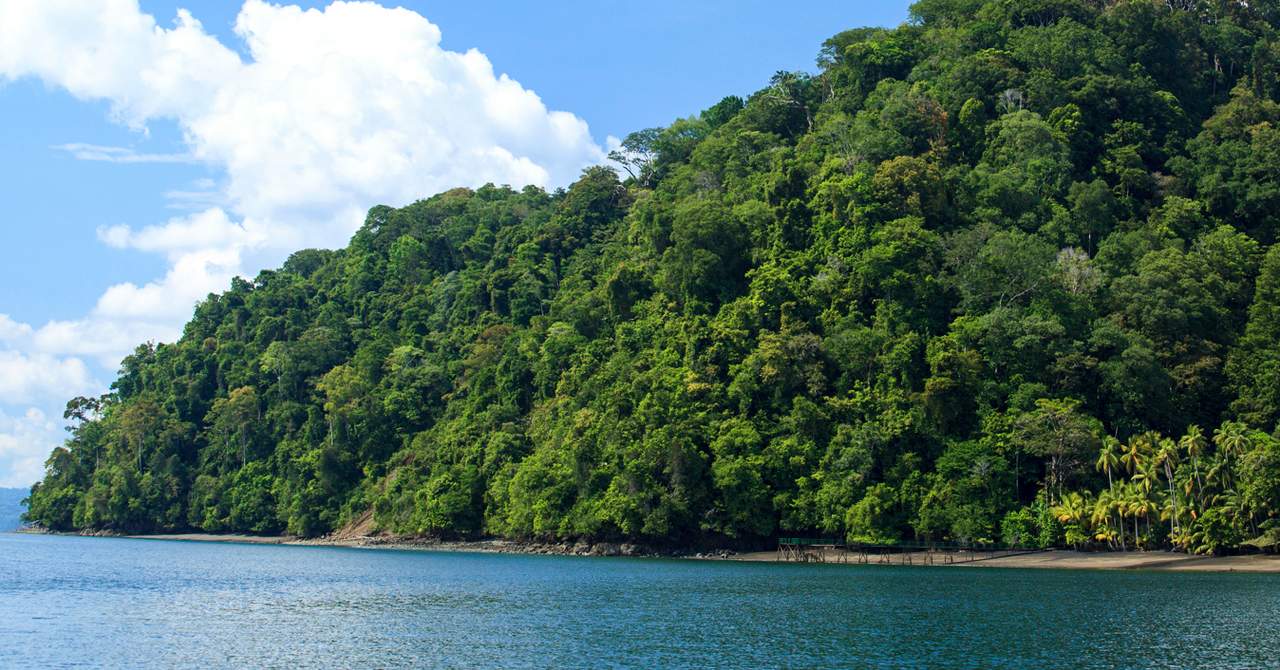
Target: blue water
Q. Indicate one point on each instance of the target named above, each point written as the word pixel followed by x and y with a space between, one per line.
pixel 88 602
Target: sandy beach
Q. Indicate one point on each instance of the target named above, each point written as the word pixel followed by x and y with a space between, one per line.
pixel 1134 560
pixel 1062 559
pixel 1052 559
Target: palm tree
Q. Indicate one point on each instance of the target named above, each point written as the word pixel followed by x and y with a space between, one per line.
pixel 1103 508
pixel 1167 456
pixel 1138 505
pixel 1073 510
pixel 1146 480
pixel 1233 504
pixel 1177 535
pixel 1194 443
pixel 1135 452
pixel 1124 503
pixel 1119 504
pixel 1197 539
pixel 1232 442
pixel 1231 439
pixel 1108 458
pixel 1145 477
pixel 1219 471
pixel 1147 508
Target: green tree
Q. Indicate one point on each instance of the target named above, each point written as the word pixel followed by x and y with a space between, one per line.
pixel 1057 431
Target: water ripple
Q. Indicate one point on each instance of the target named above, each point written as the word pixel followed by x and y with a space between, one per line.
pixel 72 602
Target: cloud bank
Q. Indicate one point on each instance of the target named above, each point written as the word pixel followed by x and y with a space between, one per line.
pixel 325 114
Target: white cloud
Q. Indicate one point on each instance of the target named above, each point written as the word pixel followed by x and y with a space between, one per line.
pixel 209 230
pixel 110 50
pixel 12 330
pixel 191 278
pixel 358 104
pixel 334 110
pixel 330 112
pixel 28 377
pixel 105 154
pixel 103 340
pixel 25 443
pixel 205 254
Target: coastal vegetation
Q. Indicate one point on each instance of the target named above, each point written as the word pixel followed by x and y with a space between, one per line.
pixel 1006 273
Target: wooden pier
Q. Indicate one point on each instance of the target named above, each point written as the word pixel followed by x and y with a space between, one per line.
pixel 817 550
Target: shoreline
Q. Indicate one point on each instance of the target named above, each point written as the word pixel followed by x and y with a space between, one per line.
pixel 1068 559
pixel 1053 559
pixel 491 546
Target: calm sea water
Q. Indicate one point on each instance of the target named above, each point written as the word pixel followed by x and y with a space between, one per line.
pixel 87 602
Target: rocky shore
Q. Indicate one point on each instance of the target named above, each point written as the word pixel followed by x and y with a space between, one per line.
pixel 496 546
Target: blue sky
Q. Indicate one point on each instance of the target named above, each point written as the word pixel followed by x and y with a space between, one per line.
pixel 141 166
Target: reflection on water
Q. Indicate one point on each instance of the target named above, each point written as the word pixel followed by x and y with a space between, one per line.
pixel 77 602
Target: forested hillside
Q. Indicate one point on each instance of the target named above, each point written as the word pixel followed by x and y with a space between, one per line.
pixel 1006 273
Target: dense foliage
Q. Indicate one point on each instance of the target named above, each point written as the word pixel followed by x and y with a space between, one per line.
pixel 1005 273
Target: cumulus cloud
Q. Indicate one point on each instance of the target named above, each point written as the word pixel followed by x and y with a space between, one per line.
pixel 325 114
pixel 358 104
pixel 25 442
pixel 29 372
pixel 104 341
pixel 26 377
pixel 333 110
pixel 209 230
pixel 30 377
pixel 328 113
pixel 11 330
pixel 192 277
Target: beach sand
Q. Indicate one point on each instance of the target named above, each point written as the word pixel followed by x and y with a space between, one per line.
pixel 1080 560
pixel 1134 560
pixel 1052 559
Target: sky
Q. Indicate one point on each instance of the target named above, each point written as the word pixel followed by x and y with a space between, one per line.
pixel 152 150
